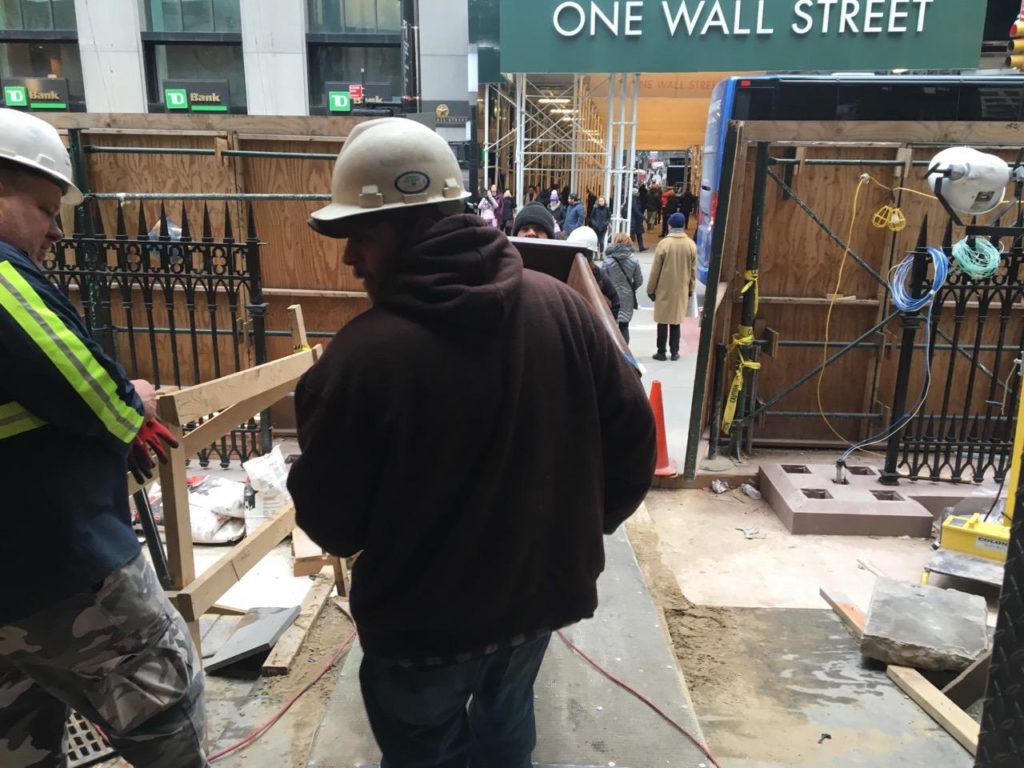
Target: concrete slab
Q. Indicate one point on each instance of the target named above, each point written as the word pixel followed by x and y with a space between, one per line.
pixel 924 627
pixel 809 501
pixel 582 717
pixel 256 633
pixel 794 692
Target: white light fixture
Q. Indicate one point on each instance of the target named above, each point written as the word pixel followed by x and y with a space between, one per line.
pixel 553 101
pixel 563 111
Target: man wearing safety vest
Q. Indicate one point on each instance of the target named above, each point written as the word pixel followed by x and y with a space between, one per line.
pixel 84 622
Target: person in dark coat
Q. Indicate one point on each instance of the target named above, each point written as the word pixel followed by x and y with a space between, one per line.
pixel 687 202
pixel 574 215
pixel 508 212
pixel 600 218
pixel 622 269
pixel 450 412
pixel 635 214
pixel 557 211
pixel 672 203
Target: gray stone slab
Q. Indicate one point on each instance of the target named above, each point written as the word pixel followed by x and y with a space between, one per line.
pixel 966 567
pixel 256 633
pixel 795 675
pixel 583 718
pixel 924 627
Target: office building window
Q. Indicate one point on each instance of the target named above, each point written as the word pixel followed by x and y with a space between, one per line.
pixel 355 16
pixel 192 15
pixel 38 41
pixel 194 47
pixel 37 15
pixel 203 63
pixel 378 68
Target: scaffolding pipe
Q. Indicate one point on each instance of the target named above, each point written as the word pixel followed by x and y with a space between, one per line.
pixel 620 150
pixel 576 116
pixel 630 170
pixel 609 142
pixel 487 140
pixel 520 138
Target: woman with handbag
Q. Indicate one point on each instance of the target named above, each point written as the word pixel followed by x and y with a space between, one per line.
pixel 622 267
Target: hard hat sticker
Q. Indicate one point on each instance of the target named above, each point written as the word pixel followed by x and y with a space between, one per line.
pixel 412 183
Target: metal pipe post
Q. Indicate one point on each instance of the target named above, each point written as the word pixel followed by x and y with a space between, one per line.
pixel 487 139
pixel 609 140
pixel 715 429
pixel 747 314
pixel 708 320
pixel 631 169
pixel 520 139
pixel 911 321
pixel 576 117
pixel 620 149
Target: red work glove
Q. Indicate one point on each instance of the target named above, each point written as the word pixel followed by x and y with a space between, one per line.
pixel 139 462
pixel 155 436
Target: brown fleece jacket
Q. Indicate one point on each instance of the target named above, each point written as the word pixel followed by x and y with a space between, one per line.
pixel 473 434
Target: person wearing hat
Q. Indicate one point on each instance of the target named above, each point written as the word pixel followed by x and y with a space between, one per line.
pixel 574 215
pixel 84 622
pixel 534 220
pixel 557 210
pixel 439 430
pixel 672 280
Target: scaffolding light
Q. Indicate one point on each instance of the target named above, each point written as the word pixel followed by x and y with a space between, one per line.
pixel 563 111
pixel 553 101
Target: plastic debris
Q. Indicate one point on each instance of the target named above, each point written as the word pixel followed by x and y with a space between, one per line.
pixel 751 491
pixel 719 486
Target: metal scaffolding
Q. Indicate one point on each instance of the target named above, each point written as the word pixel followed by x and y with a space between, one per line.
pixel 546 131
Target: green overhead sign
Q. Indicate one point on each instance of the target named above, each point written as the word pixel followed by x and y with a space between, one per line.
pixel 339 101
pixel 551 36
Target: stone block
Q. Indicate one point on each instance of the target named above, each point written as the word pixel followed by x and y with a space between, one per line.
pixel 924 627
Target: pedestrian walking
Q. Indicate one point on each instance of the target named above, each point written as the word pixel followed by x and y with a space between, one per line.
pixel 622 268
pixel 672 281
pixel 600 218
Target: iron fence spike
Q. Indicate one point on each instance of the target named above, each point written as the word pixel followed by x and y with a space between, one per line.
pixel 164 234
pixel 143 233
pixel 186 232
pixel 229 233
pixel 207 227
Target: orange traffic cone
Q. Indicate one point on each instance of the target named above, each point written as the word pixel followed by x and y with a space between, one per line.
pixel 664 467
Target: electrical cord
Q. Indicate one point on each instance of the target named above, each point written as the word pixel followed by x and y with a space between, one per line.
pixel 288 704
pixel 254 735
pixel 665 716
pixel 978 260
pixel 999 493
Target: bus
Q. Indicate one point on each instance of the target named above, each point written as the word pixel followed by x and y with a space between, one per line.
pixel 995 98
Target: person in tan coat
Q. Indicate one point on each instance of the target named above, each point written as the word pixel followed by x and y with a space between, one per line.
pixel 671 283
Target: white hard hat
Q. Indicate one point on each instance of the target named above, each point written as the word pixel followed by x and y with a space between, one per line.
pixel 584 236
pixel 386 164
pixel 26 140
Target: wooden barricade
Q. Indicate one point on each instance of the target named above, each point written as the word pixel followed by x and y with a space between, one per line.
pixel 232 399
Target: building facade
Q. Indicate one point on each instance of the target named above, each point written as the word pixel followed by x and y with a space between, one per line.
pixel 257 57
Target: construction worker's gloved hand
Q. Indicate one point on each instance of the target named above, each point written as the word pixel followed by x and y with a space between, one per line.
pixel 156 437
pixel 140 464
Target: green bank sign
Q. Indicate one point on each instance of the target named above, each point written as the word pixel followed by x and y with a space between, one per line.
pixel 540 36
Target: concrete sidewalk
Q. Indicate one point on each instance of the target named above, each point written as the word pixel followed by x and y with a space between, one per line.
pixel 583 719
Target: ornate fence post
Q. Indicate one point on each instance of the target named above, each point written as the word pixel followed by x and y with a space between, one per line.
pixel 257 309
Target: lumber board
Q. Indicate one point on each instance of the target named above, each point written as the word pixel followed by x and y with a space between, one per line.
pixel 177 516
pixel 850 614
pixel 881 133
pixel 216 427
pixel 326 127
pixel 280 660
pixel 298 327
pixel 203 399
pixel 194 599
pixel 969 686
pixel 937 705
pixel 309 558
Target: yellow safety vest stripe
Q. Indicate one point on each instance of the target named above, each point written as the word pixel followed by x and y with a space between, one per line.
pixel 15 420
pixel 68 354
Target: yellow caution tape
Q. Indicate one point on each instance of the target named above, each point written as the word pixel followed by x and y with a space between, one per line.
pixel 301 348
pixel 744 338
pixel 753 278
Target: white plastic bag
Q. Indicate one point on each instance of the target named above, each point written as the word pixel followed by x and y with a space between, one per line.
pixel 217 510
pixel 268 476
pixel 691 308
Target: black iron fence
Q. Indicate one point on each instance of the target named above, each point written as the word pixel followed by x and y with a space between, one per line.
pixel 171 307
pixel 964 431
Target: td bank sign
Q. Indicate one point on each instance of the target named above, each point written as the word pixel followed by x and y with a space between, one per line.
pixel 539 36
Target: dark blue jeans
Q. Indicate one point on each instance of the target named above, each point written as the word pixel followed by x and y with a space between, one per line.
pixel 475 714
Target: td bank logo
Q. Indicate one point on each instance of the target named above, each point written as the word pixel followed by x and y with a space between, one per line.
pixel 176 98
pixel 340 101
pixel 16 96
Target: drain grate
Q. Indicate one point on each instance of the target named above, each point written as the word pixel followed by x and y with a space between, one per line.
pixel 85 745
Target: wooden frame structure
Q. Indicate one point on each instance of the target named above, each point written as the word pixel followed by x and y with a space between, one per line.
pixel 232 399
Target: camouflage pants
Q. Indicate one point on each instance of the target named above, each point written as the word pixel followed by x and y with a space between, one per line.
pixel 122 657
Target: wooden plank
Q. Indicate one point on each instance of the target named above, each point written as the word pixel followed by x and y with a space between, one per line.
pixel 969 686
pixel 204 399
pixel 885 132
pixel 310 293
pixel 221 424
pixel 197 597
pixel 850 614
pixel 298 327
pixel 250 124
pixel 280 660
pixel 174 492
pixel 309 558
pixel 954 720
